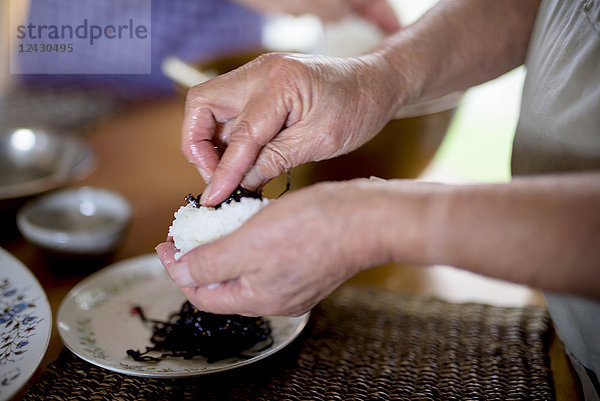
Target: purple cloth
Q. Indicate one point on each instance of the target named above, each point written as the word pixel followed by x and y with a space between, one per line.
pixel 189 29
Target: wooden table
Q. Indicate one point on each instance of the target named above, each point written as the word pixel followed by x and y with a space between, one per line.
pixel 138 155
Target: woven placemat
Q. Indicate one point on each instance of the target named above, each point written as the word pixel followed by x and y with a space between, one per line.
pixel 360 344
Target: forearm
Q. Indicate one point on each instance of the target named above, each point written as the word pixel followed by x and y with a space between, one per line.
pixel 540 231
pixel 458 44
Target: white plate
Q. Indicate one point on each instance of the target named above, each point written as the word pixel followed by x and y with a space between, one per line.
pixel 96 323
pixel 25 324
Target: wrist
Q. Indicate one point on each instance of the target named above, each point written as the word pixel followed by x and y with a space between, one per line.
pixel 411 221
pixel 396 221
pixel 383 82
pixel 404 67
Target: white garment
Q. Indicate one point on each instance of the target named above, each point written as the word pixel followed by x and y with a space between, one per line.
pixel 559 131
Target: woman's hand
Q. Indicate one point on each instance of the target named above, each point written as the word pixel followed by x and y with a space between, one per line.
pixel 379 12
pixel 291 254
pixel 283 110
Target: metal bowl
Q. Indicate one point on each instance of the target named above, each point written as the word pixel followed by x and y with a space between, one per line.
pixel 34 160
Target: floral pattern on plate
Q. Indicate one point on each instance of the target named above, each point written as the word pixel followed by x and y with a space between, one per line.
pixel 25 324
pixel 18 315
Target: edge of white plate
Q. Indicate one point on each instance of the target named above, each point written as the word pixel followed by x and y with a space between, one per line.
pixel 46 305
pixel 163 375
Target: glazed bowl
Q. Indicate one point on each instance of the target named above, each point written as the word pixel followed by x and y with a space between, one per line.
pixel 79 221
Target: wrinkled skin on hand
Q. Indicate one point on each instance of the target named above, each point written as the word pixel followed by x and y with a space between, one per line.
pixel 289 256
pixel 283 110
pixel 378 12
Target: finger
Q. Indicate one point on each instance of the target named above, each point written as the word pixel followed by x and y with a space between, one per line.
pixel 381 13
pixel 226 299
pixel 259 122
pixel 206 265
pixel 278 156
pixel 206 106
pixel 166 253
pixel 230 298
pixel 223 135
pixel 326 10
pixel 330 11
pixel 199 126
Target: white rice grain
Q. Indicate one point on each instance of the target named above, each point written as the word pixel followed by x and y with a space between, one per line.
pixel 196 226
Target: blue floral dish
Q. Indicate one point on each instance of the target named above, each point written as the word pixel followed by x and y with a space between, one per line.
pixel 25 325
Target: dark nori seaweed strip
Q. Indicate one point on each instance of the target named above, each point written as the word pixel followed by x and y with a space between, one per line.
pixel 190 332
pixel 236 196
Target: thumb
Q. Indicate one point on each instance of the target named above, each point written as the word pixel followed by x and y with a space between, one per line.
pixel 258 123
pixel 271 162
pixel 381 13
pixel 291 148
pixel 205 265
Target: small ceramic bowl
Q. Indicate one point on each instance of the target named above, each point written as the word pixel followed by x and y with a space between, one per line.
pixel 81 221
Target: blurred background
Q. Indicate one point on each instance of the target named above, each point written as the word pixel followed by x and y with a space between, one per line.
pixel 460 138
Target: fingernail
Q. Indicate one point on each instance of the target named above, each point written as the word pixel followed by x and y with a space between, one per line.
pixel 182 276
pixel 213 286
pixel 204 174
pixel 206 194
pixel 253 178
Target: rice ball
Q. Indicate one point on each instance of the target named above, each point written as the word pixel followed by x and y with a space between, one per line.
pixel 194 226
